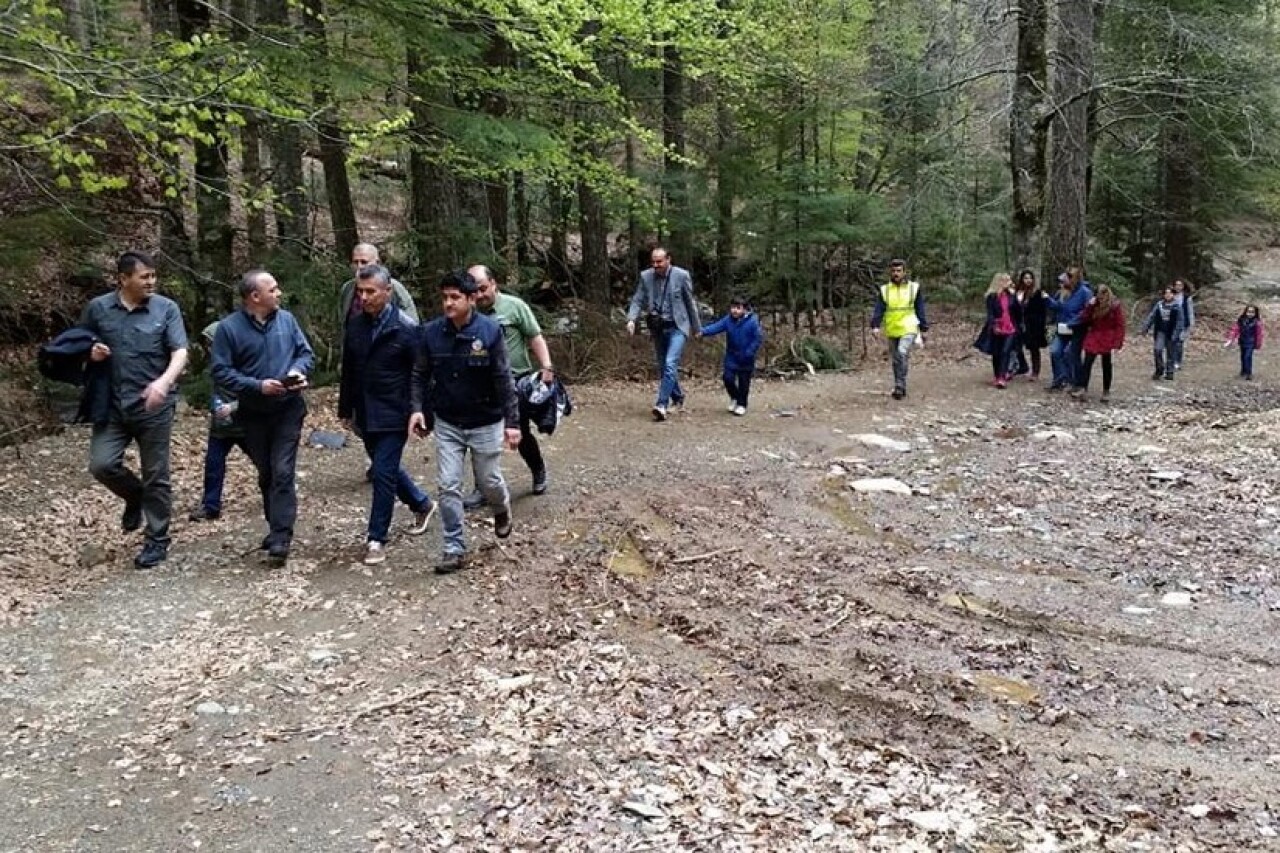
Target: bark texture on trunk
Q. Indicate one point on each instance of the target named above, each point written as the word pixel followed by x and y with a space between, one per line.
pixel 1069 143
pixel 1028 132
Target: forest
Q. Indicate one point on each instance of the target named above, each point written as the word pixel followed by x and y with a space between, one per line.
pixel 783 149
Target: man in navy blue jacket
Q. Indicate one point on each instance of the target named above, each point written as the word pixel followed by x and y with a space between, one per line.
pixel 262 357
pixel 378 353
pixel 462 390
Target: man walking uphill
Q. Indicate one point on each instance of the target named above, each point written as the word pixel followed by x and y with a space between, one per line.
pixel 899 316
pixel 262 357
pixel 462 390
pixel 377 368
pixel 141 335
pixel 665 296
pixel 522 335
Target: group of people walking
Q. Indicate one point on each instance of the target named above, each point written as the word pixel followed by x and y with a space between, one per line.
pixel 454 377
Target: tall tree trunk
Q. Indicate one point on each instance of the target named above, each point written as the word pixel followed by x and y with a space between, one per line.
pixel 675 180
pixel 333 140
pixel 73 12
pixel 252 173
pixel 1028 132
pixel 497 55
pixel 558 251
pixel 521 201
pixel 285 143
pixel 595 246
pixel 431 188
pixel 1069 158
pixel 725 190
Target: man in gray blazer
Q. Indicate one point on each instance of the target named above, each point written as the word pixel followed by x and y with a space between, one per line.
pixel 664 297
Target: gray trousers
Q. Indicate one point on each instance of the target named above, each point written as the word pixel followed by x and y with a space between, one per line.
pixel 152 490
pixel 900 352
pixel 452 444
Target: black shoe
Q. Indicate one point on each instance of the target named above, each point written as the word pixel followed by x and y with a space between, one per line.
pixel 151 555
pixel 278 553
pixel 1157 374
pixel 131 520
pixel 677 403
pixel 898 394
pixel 540 482
pixel 450 564
pixel 475 500
pixel 502 524
pixel 1169 376
pixel 265 544
pixel 203 513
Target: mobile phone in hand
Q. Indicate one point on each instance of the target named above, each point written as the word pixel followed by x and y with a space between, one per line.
pixel 293 380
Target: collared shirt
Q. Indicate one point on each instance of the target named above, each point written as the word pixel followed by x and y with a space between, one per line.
pixel 246 351
pixel 142 340
pixel 519 326
pixel 380 322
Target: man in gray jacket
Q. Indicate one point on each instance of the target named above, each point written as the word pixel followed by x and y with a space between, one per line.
pixel 664 296
pixel 364 255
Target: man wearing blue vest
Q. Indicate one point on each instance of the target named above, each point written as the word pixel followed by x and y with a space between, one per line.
pixel 899 316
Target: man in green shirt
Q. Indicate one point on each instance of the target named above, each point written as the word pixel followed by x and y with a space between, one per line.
pixel 523 337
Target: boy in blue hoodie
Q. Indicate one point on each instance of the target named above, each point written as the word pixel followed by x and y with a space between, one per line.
pixel 743 337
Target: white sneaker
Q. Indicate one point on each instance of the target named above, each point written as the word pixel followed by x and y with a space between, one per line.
pixel 374 554
pixel 739 410
pixel 659 413
pixel 733 407
pixel 422 520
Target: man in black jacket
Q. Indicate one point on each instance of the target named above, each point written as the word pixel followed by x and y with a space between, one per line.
pixel 462 390
pixel 379 350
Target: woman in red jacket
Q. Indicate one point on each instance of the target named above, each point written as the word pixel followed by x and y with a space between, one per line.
pixel 1105 318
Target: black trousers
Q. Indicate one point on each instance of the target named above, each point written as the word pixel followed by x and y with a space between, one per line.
pixel 271 441
pixel 1086 372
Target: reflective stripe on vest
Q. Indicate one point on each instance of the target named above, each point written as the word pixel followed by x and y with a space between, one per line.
pixel 900 309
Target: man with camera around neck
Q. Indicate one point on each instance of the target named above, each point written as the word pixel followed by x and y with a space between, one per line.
pixel 262 357
pixel 664 295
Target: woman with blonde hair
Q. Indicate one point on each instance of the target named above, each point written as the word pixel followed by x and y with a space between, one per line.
pixel 1004 316
pixel 1104 316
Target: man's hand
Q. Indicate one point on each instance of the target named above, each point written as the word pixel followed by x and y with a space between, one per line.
pixel 547 375
pixel 155 394
pixel 418 425
pixel 273 388
pixel 99 352
pixel 631 327
pixel 513 438
pixel 223 412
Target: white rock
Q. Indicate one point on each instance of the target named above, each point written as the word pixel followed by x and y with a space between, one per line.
pixel 1166 476
pixel 881 484
pixel 1176 599
pixel 822 830
pixel 1198 810
pixel 1058 435
pixel 519 682
pixel 644 809
pixel 1133 610
pixel 210 709
pixel 323 656
pixel 883 442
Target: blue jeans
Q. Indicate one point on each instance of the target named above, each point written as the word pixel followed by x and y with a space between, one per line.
pixel 271 440
pixel 668 346
pixel 152 489
pixel 1064 357
pixel 390 481
pixel 216 451
pixel 738 384
pixel 452 444
pixel 1164 353
pixel 1246 360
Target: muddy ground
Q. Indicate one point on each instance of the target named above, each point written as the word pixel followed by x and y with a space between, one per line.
pixel 703 638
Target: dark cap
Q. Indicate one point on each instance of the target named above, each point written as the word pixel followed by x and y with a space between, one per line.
pixel 459 280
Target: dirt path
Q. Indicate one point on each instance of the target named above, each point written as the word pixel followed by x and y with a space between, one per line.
pixel 702 638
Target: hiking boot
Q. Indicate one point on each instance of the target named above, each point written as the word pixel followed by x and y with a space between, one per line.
pixel 502 524
pixel 203 513
pixel 278 553
pixel 151 555
pixel 374 553
pixel 450 564
pixel 1169 377
pixel 422 519
pixel 540 482
pixel 131 519
pixel 475 500
pixel 659 413
pixel 898 394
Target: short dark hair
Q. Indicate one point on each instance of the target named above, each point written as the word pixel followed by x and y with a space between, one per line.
pixel 249 282
pixel 897 262
pixel 129 262
pixel 459 280
pixel 740 299
pixel 377 272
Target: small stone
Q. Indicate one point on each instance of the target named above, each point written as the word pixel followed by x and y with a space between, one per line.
pixel 324 657
pixel 883 442
pixel 1176 599
pixel 881 484
pixel 210 709
pixel 1133 610
pixel 931 821
pixel 1058 435
pixel 1198 810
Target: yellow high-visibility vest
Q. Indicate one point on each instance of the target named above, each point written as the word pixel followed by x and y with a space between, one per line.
pixel 900 309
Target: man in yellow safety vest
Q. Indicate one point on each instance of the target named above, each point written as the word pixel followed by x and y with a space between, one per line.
pixel 899 316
